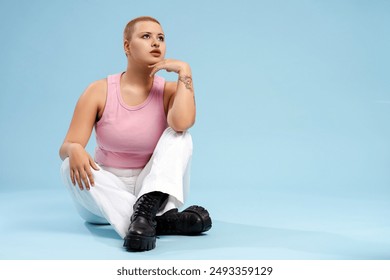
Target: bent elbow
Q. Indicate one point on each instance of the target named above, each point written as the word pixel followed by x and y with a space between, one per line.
pixel 181 125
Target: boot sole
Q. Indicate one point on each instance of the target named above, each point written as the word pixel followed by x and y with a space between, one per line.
pixel 139 243
pixel 182 227
pixel 203 214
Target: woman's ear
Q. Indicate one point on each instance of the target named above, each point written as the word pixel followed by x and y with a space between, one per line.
pixel 126 47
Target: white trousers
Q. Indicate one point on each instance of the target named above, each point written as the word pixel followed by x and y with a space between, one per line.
pixel 115 192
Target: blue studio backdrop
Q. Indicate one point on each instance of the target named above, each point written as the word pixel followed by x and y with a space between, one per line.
pixel 291 142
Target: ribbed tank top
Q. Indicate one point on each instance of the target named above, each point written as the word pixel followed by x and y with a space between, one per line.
pixel 127 135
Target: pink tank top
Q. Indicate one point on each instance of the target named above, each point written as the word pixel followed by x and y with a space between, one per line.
pixel 127 135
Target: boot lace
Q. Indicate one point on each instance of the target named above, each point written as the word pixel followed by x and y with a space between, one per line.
pixel 146 206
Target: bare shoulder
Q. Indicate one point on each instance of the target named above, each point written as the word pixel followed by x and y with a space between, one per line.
pixel 97 89
pixel 95 95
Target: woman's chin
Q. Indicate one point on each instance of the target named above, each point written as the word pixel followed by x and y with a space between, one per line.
pixel 155 60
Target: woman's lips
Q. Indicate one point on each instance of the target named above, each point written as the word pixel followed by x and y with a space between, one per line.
pixel 156 52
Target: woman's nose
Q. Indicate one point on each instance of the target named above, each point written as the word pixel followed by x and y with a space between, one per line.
pixel 155 44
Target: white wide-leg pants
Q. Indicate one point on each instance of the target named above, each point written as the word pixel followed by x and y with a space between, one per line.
pixel 115 192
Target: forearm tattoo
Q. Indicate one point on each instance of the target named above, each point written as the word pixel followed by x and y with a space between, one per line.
pixel 187 81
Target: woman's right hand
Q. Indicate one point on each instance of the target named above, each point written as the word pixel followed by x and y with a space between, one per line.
pixel 80 163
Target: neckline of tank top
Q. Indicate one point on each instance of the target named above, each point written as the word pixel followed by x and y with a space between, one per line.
pixel 152 92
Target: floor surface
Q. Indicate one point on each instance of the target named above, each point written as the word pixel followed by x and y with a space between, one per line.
pixel 44 225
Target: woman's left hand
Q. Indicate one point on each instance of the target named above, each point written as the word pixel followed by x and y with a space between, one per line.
pixel 171 65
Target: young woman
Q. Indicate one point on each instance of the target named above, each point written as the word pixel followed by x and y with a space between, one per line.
pixel 140 172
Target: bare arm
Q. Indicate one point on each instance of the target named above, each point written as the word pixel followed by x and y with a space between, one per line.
pixel 79 132
pixel 181 109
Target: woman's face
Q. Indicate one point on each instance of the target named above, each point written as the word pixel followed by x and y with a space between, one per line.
pixel 147 44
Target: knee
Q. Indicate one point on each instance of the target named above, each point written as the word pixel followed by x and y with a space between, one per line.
pixel 182 138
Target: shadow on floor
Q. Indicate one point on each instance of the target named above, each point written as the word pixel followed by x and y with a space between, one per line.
pixel 231 238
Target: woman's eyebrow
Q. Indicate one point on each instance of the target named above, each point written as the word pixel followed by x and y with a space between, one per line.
pixel 147 32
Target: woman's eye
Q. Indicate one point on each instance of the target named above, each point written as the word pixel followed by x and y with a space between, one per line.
pixel 161 38
pixel 146 36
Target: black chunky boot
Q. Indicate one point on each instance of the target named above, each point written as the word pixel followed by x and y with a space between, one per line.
pixel 142 231
pixel 193 220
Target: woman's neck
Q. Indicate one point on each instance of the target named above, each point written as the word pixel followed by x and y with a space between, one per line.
pixel 137 75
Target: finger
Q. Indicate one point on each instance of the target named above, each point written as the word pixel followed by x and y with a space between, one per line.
pixel 157 67
pixel 154 71
pixel 72 177
pixel 90 177
pixel 84 179
pixel 78 180
pixel 93 164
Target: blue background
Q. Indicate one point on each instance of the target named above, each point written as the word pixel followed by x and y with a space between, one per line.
pixel 292 135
